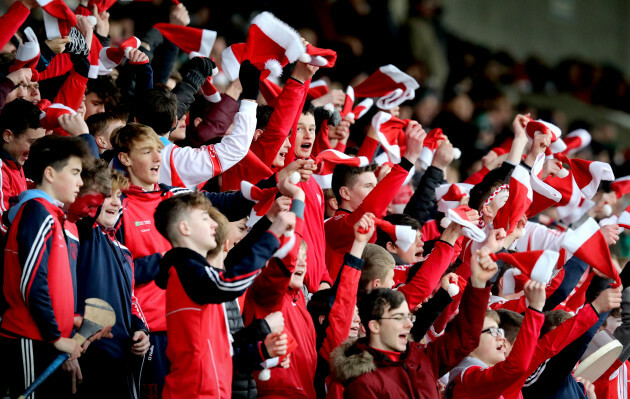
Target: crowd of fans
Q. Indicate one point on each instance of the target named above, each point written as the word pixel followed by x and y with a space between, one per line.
pixel 356 208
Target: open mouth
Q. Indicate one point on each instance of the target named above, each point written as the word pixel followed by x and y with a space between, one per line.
pixel 282 154
pixel 155 169
pixel 111 212
pixel 299 274
pixel 306 146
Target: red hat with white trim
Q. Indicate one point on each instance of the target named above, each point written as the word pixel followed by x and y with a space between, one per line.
pixel 518 202
pixel 576 141
pixel 320 57
pixel 621 186
pixel 392 85
pixel 402 236
pixel 361 109
pixel 210 92
pixel 541 127
pixel 187 38
pixel 317 89
pixel 390 131
pixel 431 144
pixel 348 102
pixel 263 199
pixel 538 265
pixel 49 119
pixel 544 196
pixel 270 91
pixel 588 174
pixel 588 243
pixel 326 161
pixel 27 54
pixel 58 18
pixel 449 196
pixel 231 59
pixel 111 57
pixel 469 229
pixel 624 218
pixel 272 44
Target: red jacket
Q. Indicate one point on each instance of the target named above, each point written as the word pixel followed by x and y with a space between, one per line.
pixel 369 374
pixel 340 228
pixel 12 183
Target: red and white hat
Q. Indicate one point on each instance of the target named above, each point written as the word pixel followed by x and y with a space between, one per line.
pixel 320 57
pixel 390 131
pixel 187 38
pixel 27 54
pixel 402 236
pixel 518 202
pixel 431 144
pixel 317 89
pixel 348 102
pixel 326 161
pixel 270 91
pixel 624 218
pixel 58 18
pixel 392 85
pixel 111 57
pixel 541 127
pixel 588 174
pixel 250 168
pixel 263 199
pixel 588 243
pixel 272 44
pixel 210 93
pixel 49 118
pixel 449 195
pixel 544 196
pixel 361 109
pixel 576 141
pixel 469 229
pixel 231 59
pixel 621 186
pixel 538 265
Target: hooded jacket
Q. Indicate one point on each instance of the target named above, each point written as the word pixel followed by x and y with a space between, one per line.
pixel 12 183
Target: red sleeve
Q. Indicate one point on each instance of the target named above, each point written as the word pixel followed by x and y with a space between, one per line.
pixel 491 382
pixel 368 148
pixel 216 122
pixel 59 65
pixel 288 104
pixel 477 177
pixel 448 350
pixel 342 311
pixel 12 20
pixel 321 140
pixel 72 91
pixel 341 146
pixel 428 276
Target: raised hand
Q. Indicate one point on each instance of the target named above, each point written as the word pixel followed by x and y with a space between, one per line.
pixel 482 268
pixel 535 294
pixel 415 136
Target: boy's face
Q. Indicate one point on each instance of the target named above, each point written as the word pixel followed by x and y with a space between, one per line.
pixel 392 334
pixel 362 186
pixel 278 161
pixel 143 163
pixel 305 136
pixel 297 278
pixel 19 146
pixel 238 231
pixel 67 181
pixel 415 251
pixel 491 350
pixel 202 228
pixel 93 104
pixel 85 205
pixel 180 130
pixel 102 139
pixel 109 212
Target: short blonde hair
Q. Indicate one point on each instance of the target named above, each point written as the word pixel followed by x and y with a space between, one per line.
pixel 119 181
pixel 378 263
pixel 221 233
pixel 127 137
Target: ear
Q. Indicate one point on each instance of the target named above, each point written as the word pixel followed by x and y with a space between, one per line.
pixel 487 211
pixel 390 247
pixel 374 326
pixel 184 228
pixel 257 133
pixel 332 202
pixel 49 174
pixel 227 245
pixel 321 319
pixel 198 120
pixel 344 192
pixel 376 283
pixel 124 159
pixel 100 142
pixel 7 136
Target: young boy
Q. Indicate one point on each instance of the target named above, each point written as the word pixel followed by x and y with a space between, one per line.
pixel 102 125
pixel 39 282
pixel 199 346
pixel 19 122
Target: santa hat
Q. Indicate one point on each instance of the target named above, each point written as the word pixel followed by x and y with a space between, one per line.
pixel 503 191
pixel 231 59
pixel 270 91
pixel 588 243
pixel 544 196
pixel 402 236
pixel 541 127
pixel 624 218
pixel 431 144
pixel 576 141
pixel 49 118
pixel 401 199
pixel 588 174
pixel 469 229
pixel 538 265
pixel 58 18
pixel 326 161
pixel 320 57
pixel 188 39
pixel 250 168
pixel 449 196
pixel 361 109
pixel 112 57
pixel 317 89
pixel 621 186
pixel 27 54
pixel 210 93
pixel 272 44
pixel 519 200
pixel 392 85
pixel 390 131
pixel 348 102
pixel 262 197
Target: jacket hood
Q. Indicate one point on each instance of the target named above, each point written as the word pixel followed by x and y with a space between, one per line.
pixel 26 196
pixel 351 360
pixel 460 368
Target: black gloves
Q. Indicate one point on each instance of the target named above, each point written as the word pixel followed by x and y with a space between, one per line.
pixel 195 71
pixel 249 76
pixel 329 114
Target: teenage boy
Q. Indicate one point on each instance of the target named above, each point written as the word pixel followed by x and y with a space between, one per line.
pixel 385 364
pixel 101 126
pixel 39 282
pixel 199 343
pixel 19 122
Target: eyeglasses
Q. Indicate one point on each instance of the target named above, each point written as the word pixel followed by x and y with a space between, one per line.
pixel 494 331
pixel 401 318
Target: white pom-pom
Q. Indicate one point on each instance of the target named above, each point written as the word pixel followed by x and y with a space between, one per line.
pixel 457 153
pixel 607 210
pixel 305 58
pixel 295 177
pixel 453 289
pixel 274 67
pixel 264 375
pixel 92 20
pixel 330 107
pixel 562 173
pixel 445 222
